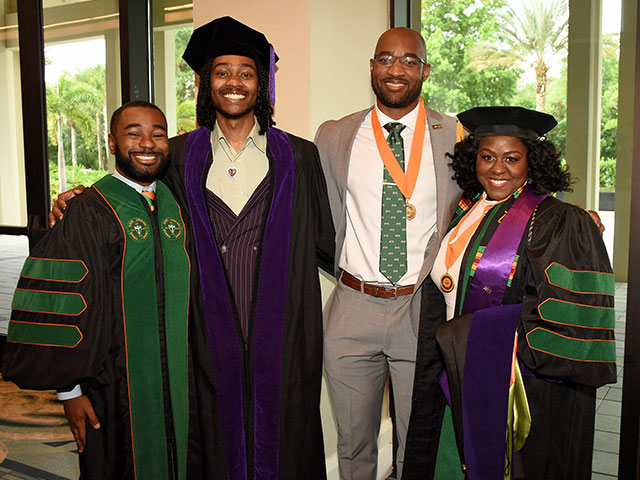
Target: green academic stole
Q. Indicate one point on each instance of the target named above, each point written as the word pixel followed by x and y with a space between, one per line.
pixel 140 323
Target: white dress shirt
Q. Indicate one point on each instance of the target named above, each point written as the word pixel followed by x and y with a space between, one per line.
pixel 361 249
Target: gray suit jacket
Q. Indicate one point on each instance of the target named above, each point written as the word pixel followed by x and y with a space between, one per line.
pixel 335 141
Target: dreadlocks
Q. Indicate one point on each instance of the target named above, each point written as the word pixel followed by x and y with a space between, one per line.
pixel 206 112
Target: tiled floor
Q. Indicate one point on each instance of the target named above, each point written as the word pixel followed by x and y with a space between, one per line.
pixel 608 406
pixel 39 453
pixel 13 251
pixel 35 441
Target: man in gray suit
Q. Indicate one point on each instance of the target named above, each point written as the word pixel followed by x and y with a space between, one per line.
pixel 391 197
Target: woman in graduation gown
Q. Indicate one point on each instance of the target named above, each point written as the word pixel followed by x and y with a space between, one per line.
pixel 529 297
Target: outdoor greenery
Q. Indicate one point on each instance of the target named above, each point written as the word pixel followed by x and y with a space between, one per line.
pixel 78 121
pixel 537 31
pixel 450 29
pixel 608 174
pixel 185 85
pixel 480 52
pixel 76 111
pixel 75 176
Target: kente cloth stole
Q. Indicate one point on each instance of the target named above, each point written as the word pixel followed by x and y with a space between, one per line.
pixel 141 324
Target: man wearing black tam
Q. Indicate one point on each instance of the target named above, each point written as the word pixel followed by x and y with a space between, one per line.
pixel 256 199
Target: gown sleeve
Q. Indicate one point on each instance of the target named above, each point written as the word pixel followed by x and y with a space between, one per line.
pixel 567 321
pixel 65 308
pixel 325 233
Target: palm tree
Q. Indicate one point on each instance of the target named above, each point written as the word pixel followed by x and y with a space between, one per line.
pixel 93 79
pixel 55 120
pixel 67 104
pixel 534 33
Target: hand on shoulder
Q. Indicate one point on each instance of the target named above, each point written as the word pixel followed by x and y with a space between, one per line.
pixel 57 210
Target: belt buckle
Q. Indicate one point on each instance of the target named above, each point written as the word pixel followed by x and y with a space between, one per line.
pixel 395 291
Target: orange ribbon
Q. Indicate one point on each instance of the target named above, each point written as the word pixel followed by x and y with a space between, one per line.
pixel 457 245
pixel 406 182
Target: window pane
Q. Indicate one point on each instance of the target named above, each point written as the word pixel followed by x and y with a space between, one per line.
pixel 82 73
pixel 13 199
pixel 173 79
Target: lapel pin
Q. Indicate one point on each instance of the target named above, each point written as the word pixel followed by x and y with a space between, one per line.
pixel 437 126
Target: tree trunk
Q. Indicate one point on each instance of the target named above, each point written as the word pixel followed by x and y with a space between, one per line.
pixel 98 144
pixel 541 84
pixel 62 174
pixel 74 156
pixel 106 133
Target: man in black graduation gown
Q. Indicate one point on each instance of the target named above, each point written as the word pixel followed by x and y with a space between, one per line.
pixel 258 339
pixel 102 306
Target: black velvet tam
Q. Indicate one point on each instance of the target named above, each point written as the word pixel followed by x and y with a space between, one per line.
pixel 226 36
pixel 510 121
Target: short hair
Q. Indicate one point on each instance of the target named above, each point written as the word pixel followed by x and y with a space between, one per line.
pixel 546 172
pixel 136 103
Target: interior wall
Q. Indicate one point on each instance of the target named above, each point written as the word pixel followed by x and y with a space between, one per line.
pixel 324 51
pixel 584 87
pixel 341 47
pixel 286 25
pixel 624 160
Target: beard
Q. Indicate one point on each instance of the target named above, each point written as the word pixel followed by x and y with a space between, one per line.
pixel 233 116
pixel 394 100
pixel 130 170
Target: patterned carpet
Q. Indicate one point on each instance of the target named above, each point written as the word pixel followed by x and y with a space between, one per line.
pixel 35 441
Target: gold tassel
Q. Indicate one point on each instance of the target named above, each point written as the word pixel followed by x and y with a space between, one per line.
pixel 519 415
pixel 460 133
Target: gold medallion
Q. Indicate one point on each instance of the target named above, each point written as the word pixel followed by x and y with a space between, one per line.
pixel 411 211
pixel 447 283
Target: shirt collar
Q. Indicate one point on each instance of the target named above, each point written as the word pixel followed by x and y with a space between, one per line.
pixel 260 141
pixel 136 186
pixel 409 120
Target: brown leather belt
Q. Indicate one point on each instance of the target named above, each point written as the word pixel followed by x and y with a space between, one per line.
pixel 375 290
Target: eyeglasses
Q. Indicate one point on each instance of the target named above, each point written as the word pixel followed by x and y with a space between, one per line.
pixel 407 61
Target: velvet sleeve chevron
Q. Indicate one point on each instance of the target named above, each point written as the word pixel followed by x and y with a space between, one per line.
pixel 61 326
pixel 567 321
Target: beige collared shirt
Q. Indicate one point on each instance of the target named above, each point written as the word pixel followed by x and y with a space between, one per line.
pixel 250 165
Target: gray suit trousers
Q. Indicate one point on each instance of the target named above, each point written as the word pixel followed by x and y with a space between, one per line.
pixel 366 339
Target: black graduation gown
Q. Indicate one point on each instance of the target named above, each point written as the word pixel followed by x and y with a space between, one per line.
pixel 300 444
pixel 83 259
pixel 560 391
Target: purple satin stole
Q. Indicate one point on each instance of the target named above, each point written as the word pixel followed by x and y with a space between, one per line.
pixel 487 368
pixel 268 321
pixel 489 283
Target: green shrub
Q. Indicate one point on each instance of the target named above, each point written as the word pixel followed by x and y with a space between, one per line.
pixel 75 176
pixel 608 174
